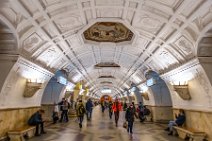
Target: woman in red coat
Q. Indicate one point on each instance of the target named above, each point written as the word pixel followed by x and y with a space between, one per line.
pixel 116 108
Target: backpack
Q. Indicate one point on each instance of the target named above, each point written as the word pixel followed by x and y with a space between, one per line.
pixel 81 110
pixel 146 111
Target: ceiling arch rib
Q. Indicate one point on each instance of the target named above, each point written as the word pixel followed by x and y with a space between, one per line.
pixel 165 32
pixel 51 23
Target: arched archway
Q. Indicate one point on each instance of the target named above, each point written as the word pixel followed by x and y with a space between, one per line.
pixel 54 92
pixel 8 49
pixel 161 102
pixel 55 89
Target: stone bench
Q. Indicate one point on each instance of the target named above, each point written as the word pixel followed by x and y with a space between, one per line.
pixel 21 133
pixel 190 133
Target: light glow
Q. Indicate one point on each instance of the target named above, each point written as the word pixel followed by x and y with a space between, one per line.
pixel 70 87
pixel 182 79
pixel 144 88
pixel 106 91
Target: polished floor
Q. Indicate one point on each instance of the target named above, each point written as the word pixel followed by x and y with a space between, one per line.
pixel 101 128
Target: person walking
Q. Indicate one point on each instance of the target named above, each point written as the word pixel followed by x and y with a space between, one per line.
pixel 129 116
pixel 37 120
pixel 89 109
pixel 80 112
pixel 116 109
pixel 103 106
pixel 110 105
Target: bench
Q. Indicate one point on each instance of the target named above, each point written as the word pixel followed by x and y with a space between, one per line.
pixel 21 133
pixel 190 133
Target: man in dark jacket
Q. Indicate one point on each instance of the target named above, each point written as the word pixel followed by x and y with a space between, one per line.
pixel 89 108
pixel 36 120
pixel 180 119
pixel 129 116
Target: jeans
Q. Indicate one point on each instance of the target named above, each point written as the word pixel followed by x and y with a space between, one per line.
pixel 80 118
pixel 89 113
pixel 110 113
pixel 171 124
pixel 116 117
pixel 39 127
pixel 130 127
pixel 64 114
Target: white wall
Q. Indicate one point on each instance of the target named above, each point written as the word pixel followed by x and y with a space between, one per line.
pixel 199 87
pixel 11 95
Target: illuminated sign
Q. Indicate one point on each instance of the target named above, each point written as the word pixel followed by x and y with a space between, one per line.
pixel 150 82
pixel 106 91
pixel 62 80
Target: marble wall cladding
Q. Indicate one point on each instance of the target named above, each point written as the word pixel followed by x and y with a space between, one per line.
pixel 14 118
pixel 199 120
pixel 48 111
pixel 161 113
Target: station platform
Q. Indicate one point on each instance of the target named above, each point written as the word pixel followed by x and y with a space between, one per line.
pixel 101 128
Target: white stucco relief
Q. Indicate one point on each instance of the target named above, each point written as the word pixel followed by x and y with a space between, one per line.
pixel 31 42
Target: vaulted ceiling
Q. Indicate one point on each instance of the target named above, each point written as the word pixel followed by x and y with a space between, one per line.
pixel 50 33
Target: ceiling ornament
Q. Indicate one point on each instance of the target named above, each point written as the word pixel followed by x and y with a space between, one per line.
pixel 31 42
pixel 107 76
pixel 108 32
pixel 185 45
pixel 107 64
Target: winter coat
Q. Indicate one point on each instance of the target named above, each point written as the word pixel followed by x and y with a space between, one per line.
pixel 89 106
pixel 130 113
pixel 36 118
pixel 116 106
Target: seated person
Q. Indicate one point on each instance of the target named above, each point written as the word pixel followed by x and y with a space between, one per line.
pixel 36 120
pixel 180 119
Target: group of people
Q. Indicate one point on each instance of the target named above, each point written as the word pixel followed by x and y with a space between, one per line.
pixel 113 107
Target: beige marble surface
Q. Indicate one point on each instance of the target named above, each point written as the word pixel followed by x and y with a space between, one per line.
pixel 14 118
pixel 200 121
pixel 161 114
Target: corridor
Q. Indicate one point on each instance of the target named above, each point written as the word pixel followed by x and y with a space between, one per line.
pixel 153 53
pixel 101 128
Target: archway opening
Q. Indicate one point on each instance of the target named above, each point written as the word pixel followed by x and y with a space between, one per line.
pixel 161 98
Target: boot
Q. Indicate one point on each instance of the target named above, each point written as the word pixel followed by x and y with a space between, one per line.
pixel 170 133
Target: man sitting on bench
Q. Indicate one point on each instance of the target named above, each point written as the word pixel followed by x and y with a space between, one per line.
pixel 36 120
pixel 180 119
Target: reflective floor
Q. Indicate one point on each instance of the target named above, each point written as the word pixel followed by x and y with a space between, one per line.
pixel 101 128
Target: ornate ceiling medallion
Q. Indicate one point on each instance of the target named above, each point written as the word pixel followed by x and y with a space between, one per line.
pixel 108 32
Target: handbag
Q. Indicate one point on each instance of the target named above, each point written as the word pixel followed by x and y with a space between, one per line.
pixel 125 124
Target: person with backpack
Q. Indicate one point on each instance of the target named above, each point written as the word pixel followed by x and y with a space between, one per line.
pixel 80 112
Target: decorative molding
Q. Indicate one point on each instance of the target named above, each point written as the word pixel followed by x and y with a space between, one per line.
pixel 182 91
pixel 31 88
pixel 145 96
pixel 192 65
